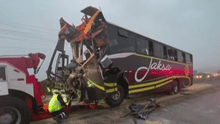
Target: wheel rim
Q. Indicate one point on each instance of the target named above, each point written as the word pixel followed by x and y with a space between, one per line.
pixel 116 96
pixel 10 115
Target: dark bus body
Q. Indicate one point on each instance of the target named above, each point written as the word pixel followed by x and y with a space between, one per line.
pixel 146 64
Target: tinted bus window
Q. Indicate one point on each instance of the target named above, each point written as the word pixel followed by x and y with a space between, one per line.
pixel 171 54
pixel 175 55
pixel 179 56
pixel 123 42
pixel 188 58
pixel 130 45
pixel 158 50
pixel 184 57
pixel 164 52
pixel 191 59
pixel 151 48
pixel 142 46
pixel 112 32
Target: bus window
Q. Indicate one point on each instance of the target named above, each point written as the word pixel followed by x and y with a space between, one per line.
pixel 179 56
pixel 151 48
pixel 170 54
pixel 122 43
pixel 158 50
pixel 142 46
pixel 184 58
pixel 113 45
pixel 164 52
pixel 175 55
pixel 188 58
pixel 191 59
pixel 130 45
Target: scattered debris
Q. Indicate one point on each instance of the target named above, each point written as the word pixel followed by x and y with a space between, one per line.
pixel 141 111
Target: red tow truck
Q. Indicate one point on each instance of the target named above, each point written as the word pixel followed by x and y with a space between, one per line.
pixel 21 95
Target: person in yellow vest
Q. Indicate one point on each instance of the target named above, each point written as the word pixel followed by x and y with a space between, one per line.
pixel 56 105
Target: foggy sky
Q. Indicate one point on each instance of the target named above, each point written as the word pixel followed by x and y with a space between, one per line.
pixel 189 25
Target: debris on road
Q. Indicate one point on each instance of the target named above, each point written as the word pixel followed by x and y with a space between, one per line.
pixel 141 111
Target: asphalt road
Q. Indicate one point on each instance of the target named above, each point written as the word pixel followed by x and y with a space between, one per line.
pixel 199 103
pixel 200 110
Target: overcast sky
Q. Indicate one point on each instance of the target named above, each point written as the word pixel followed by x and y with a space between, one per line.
pixel 190 25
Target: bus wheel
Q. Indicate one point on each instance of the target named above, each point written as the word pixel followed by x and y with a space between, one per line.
pixel 14 111
pixel 116 99
pixel 175 88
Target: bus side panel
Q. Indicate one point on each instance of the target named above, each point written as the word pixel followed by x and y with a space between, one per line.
pixel 137 70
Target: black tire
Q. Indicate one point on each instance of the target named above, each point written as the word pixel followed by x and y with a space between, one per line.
pixel 116 102
pixel 175 88
pixel 14 111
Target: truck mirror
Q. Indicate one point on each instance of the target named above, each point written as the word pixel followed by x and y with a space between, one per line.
pixel 41 55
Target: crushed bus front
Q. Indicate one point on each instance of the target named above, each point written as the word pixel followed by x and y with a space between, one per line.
pixel 87 76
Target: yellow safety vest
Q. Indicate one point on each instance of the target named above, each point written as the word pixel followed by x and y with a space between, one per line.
pixel 54 104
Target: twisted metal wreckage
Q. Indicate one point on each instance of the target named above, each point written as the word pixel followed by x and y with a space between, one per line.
pixel 87 75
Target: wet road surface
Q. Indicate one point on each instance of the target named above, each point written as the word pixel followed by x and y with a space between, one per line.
pixel 199 103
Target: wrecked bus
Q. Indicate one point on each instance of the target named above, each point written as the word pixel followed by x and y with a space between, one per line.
pixel 110 62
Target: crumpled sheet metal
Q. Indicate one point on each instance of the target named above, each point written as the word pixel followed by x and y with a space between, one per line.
pixel 93 27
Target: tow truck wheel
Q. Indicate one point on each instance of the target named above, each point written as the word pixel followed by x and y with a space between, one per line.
pixel 116 99
pixel 14 111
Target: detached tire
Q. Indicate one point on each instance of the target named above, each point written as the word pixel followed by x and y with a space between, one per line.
pixel 14 111
pixel 117 99
pixel 175 88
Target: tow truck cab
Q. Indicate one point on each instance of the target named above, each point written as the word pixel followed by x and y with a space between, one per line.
pixel 21 95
